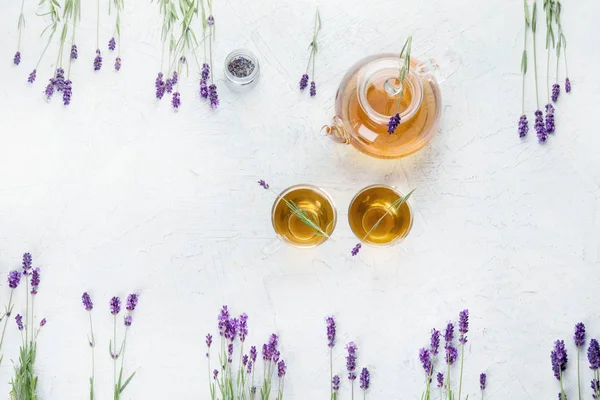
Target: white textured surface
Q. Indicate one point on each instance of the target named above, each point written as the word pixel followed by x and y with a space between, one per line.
pixel 117 193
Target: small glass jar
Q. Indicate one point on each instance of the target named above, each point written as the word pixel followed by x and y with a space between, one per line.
pixel 241 83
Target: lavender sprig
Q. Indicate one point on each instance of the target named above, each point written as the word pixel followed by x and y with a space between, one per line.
pixel 404 70
pixel 89 306
pixel 314 48
pixel 550 118
pixel 539 122
pixel 365 381
pixel 351 364
pixel 561 44
pixel 20 25
pixel 482 383
pixel 463 329
pixel 331 331
pixel 14 278
pixel 579 339
pixel 558 358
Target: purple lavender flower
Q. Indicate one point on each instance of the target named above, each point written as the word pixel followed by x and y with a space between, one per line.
pixel 223 319
pixel 264 184
pixel 449 333
pixel 313 89
pixel 210 21
pixel 59 79
pixel 435 341
pixel 523 126
pixel 205 71
pixel 232 329
pixel 98 61
pixel 482 381
pixel 595 388
pixel 115 305
pixel 67 92
pixel 112 44
pixel 17 59
pixel 159 84
pixel 273 343
pixel 43 322
pixel 249 369
pixel 351 360
pixel 558 357
pixel 539 127
pixel 132 301
pixel 451 354
pixel 74 53
pixel 555 92
pixel 549 118
pixel 215 374
pixel 567 85
pixel 176 100
pixel 230 353
pixel 579 336
pixel 27 261
pixel 265 353
pixel 335 383
pixel 330 322
pixel 440 379
pixel 425 358
pixel 169 85
pixel 393 123
pixel 14 278
pixel 281 369
pixel 175 78
pixel 32 76
pixel 593 354
pixel 245 360
pixel 19 321
pixel 128 320
pixel 209 340
pixel 253 353
pixel 304 82
pixel 276 355
pixel 356 249
pixel 203 89
pixel 243 327
pixel 253 391
pixel 118 64
pixel 35 281
pixel 463 326
pixel 87 301
pixel 213 96
pixel 365 379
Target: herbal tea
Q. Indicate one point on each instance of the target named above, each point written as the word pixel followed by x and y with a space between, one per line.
pixel 375 204
pixel 315 205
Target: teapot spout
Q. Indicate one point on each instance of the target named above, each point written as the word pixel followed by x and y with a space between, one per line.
pixel 336 131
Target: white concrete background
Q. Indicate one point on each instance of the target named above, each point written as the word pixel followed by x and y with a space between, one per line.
pixel 117 193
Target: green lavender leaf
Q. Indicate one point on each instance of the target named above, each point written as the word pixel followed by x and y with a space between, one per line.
pixel 126 382
pixel 527 16
pixel 534 18
pixel 394 207
pixel 524 62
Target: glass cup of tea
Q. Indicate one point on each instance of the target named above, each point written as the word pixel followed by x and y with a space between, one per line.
pixel 303 216
pixel 378 216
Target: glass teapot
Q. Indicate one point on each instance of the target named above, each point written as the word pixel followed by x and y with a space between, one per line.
pixel 367 98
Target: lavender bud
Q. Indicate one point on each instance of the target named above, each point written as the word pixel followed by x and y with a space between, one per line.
pixel 17 58
pixel 567 85
pixel 67 92
pixel 351 360
pixel 281 369
pixel 14 278
pixel 43 322
pixel 449 334
pixel 482 381
pixel 209 340
pixel 451 354
pixel 19 321
pixel 435 341
pixel 393 123
pixel 87 301
pixel 440 379
pixel 98 61
pixel 555 92
pixel 203 89
pixel 112 44
pixel 356 249
pixel 335 383
pixel 243 327
pixel 128 320
pixel 115 305
pixel 253 353
pixel 132 301
pixel 205 71
pixel 159 84
pixel 264 184
pixel 313 89
pixel 215 374
pixel 223 319
pixel 118 64
pixel 463 326
pixel 35 281
pixel 32 76
pixel 176 100
pixel 425 358
pixel 365 379
pixel 210 21
pixel 74 53
pixel 330 332
pixel 593 354
pixel 214 97
pixel 304 82
pixel 558 358
pixel 523 126
pixel 539 127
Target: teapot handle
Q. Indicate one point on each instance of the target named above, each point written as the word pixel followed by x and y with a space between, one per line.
pixel 440 68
